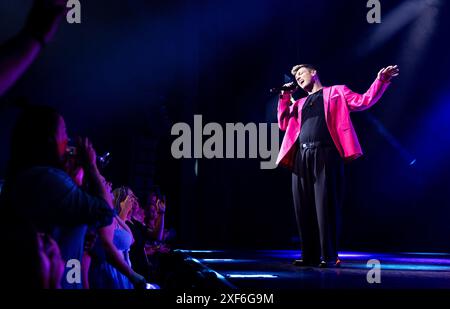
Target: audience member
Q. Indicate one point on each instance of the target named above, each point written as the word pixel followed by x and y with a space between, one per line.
pixel 38 190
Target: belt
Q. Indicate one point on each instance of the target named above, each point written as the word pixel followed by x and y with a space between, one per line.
pixel 311 145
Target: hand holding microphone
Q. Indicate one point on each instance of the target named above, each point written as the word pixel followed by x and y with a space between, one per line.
pixel 290 87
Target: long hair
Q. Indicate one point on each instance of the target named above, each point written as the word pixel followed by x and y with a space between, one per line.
pixel 120 194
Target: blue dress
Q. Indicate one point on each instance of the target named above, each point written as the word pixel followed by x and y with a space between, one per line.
pixel 103 275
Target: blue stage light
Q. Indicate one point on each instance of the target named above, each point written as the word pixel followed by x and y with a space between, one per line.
pixel 253 276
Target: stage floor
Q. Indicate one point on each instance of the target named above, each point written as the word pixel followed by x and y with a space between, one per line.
pixel 273 269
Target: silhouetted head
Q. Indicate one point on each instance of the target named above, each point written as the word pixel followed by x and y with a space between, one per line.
pixel 39 138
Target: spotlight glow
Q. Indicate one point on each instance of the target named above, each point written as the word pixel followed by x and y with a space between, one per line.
pixel 427 253
pixel 406 267
pixel 252 276
pixel 227 261
pixel 415 267
pixel 200 251
pixel 353 255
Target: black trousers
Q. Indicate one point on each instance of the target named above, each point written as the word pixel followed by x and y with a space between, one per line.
pixel 317 187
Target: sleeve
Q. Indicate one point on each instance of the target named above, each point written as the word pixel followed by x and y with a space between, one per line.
pixel 359 102
pixel 284 111
pixel 72 205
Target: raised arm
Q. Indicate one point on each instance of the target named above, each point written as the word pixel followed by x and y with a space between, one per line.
pixel 66 202
pixel 69 204
pixel 359 102
pixel 17 54
pixel 285 108
pixel 97 183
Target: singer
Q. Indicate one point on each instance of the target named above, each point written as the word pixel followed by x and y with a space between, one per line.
pixel 319 138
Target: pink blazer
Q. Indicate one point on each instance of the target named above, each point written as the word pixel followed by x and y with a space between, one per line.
pixel 338 101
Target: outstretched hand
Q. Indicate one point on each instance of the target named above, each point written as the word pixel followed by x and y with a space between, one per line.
pixel 386 74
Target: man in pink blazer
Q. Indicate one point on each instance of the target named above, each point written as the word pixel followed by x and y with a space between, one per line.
pixel 319 138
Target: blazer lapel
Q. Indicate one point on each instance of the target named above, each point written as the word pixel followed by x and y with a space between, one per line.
pixel 326 101
pixel 301 102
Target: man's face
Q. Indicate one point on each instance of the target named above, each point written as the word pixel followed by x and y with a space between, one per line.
pixel 305 78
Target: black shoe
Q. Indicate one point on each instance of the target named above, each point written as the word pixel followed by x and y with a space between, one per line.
pixel 330 264
pixel 302 262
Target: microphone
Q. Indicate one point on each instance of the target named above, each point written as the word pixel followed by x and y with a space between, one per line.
pixel 289 87
pixel 104 160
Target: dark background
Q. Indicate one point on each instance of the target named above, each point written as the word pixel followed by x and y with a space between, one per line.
pixel 132 69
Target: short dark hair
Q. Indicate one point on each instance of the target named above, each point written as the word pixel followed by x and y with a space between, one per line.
pixel 297 67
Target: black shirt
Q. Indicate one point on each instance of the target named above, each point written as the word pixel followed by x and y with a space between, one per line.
pixel 314 127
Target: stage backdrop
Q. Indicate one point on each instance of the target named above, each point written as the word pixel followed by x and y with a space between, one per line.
pixel 132 69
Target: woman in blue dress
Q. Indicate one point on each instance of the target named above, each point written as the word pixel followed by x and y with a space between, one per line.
pixel 110 267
